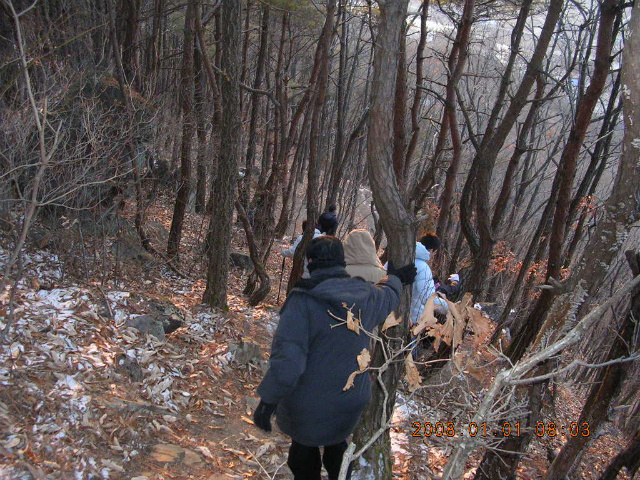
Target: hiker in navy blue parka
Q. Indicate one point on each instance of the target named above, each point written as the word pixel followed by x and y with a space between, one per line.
pixel 310 361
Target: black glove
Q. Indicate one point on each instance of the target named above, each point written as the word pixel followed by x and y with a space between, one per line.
pixel 262 415
pixel 406 274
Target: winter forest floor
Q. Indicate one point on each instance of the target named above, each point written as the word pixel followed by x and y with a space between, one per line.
pixel 69 409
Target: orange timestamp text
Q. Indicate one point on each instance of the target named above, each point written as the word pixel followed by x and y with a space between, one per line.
pixel 507 429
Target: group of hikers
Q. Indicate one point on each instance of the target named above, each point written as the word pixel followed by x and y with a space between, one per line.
pixel 313 354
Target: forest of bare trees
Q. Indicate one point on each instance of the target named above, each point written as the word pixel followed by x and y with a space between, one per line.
pixel 510 129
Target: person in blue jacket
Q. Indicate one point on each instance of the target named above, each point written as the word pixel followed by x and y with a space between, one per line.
pixel 424 285
pixel 312 358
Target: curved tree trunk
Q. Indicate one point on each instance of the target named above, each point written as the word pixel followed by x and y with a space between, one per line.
pixel 398 225
pixel 565 176
pixel 479 180
pixel 265 282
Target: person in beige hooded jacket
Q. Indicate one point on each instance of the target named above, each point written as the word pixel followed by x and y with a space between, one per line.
pixel 361 257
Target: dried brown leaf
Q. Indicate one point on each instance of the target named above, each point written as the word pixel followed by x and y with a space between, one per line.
pixel 350 380
pixel 353 323
pixel 363 362
pixel 480 325
pixel 411 374
pixel 364 359
pixel 466 301
pixel 391 321
pixel 442 333
pixel 428 319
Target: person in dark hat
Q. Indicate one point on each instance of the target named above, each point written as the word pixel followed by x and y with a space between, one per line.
pixel 313 355
pixel 328 221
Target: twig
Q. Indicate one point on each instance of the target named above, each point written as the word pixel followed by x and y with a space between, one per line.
pixel 508 378
pixel 572 365
pixel 44 155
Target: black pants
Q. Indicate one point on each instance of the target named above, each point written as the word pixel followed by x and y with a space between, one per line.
pixel 305 462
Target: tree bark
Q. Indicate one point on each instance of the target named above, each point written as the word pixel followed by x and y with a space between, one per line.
pixel 265 282
pixel 397 223
pixel 565 176
pixel 337 158
pixel 201 132
pixel 479 179
pixel 188 126
pixel 245 192
pixel 456 65
pixel 400 111
pixel 224 192
pixel 130 16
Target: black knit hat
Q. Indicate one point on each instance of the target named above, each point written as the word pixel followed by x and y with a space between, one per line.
pixel 324 252
pixel 430 241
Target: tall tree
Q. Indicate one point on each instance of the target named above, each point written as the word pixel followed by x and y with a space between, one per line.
pixel 187 84
pixel 199 104
pixel 475 194
pixel 255 104
pixel 455 68
pixel 563 185
pixel 621 212
pixel 502 464
pixel 398 225
pixel 130 32
pixel 224 190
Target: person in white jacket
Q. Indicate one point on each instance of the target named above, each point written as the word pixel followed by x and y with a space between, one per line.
pixel 424 287
pixel 291 251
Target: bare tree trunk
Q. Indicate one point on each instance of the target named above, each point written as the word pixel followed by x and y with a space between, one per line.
pixel 139 220
pixel 201 159
pixel 565 175
pixel 265 283
pixel 130 17
pixel 188 126
pixel 456 64
pixel 224 192
pixel 400 111
pixel 153 47
pixel 629 458
pixel 417 95
pixel 321 61
pixel 481 241
pixel 245 192
pixel 398 225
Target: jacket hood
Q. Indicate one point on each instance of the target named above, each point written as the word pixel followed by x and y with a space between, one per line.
pixel 359 249
pixel 336 287
pixel 422 253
